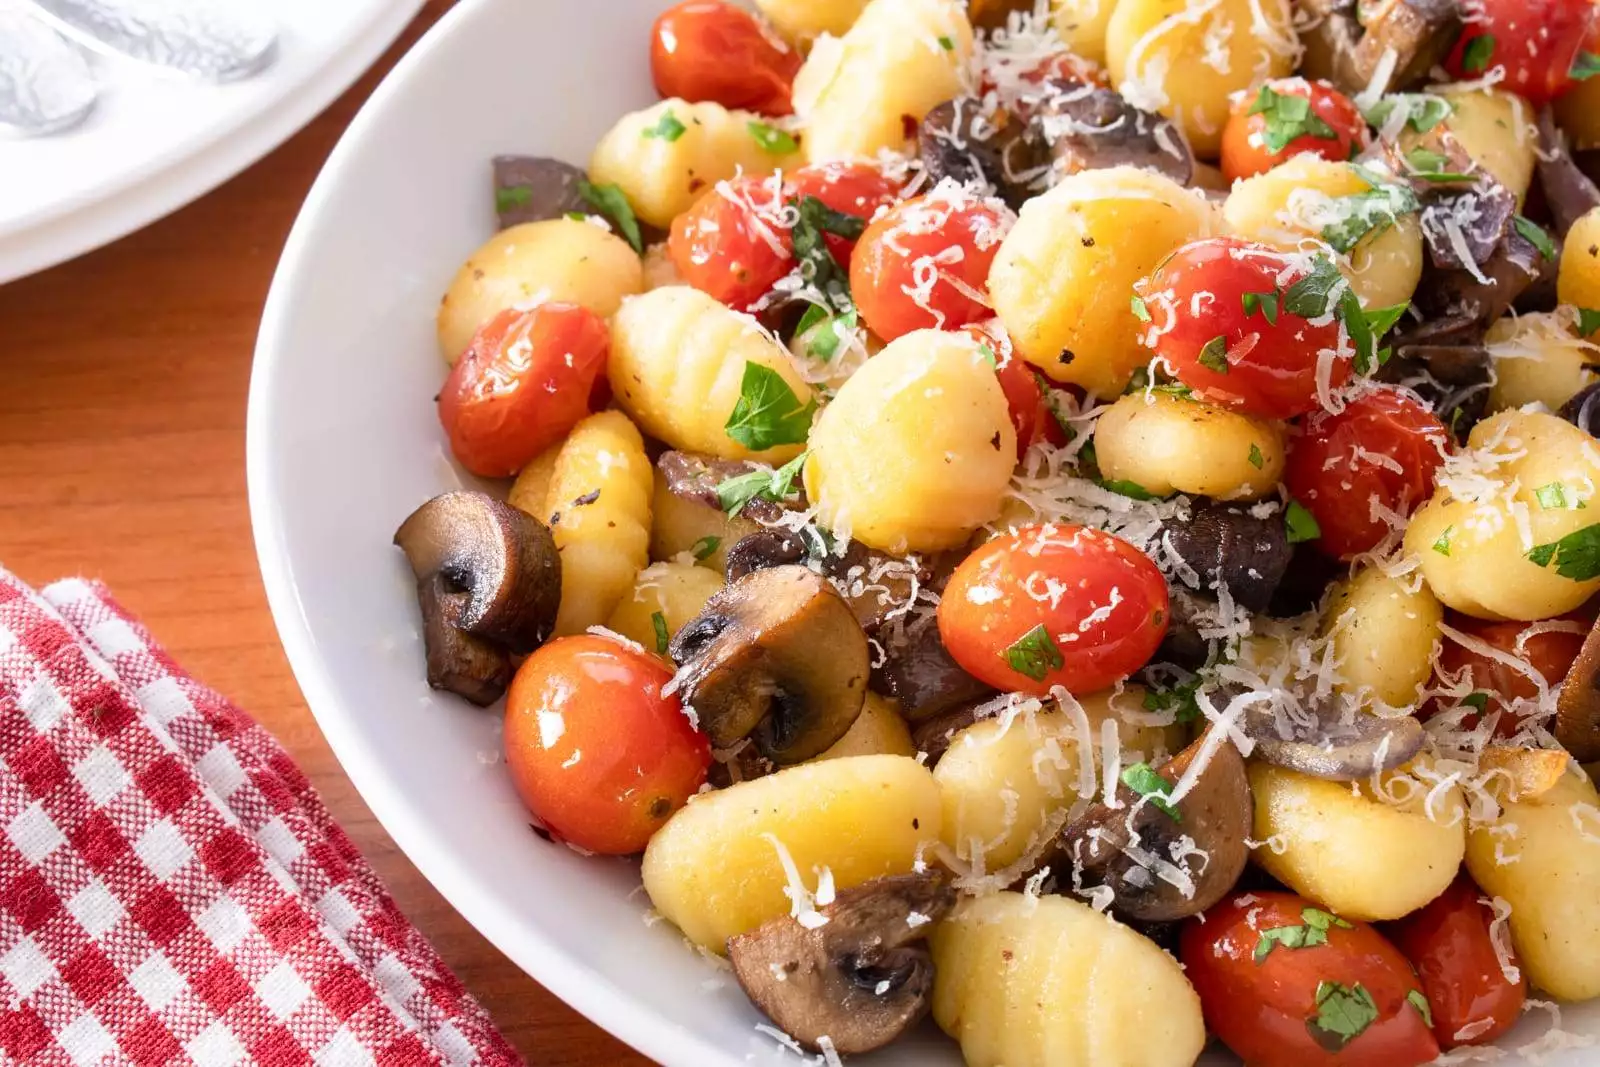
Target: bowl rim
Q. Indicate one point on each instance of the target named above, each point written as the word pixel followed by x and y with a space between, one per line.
pixel 585 989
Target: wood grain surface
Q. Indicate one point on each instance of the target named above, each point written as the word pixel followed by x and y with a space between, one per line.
pixel 122 412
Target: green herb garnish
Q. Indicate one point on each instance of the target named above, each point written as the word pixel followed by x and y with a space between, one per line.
pixel 659 621
pixel 1142 779
pixel 1300 524
pixel 667 127
pixel 1576 556
pixel 1034 655
pixel 612 202
pixel 771 139
pixel 1287 118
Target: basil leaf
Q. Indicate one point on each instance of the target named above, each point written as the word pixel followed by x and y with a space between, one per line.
pixel 1300 524
pixel 1343 1013
pixel 768 413
pixel 1417 1000
pixel 734 493
pixel 1584 66
pixel 1288 117
pixel 1266 303
pixel 947 44
pixel 1132 490
pixel 1034 655
pixel 1423 111
pixel 817 265
pixel 1576 556
pixel 1552 497
pixel 1257 460
pixel 659 621
pixel 612 202
pixel 1214 354
pixel 1535 235
pixel 1442 544
pixel 1140 311
pixel 1588 321
pixel 771 139
pixel 1370 212
pixel 1476 700
pixel 1310 297
pixel 707 546
pixel 510 197
pixel 1381 320
pixel 1476 55
pixel 667 128
pixel 1143 779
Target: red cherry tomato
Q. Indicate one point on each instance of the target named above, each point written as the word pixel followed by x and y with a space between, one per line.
pixel 1332 130
pixel 857 189
pixel 1549 652
pixel 733 243
pixel 1054 605
pixel 526 379
pixel 1265 1007
pixel 1384 447
pixel 710 50
pixel 1261 361
pixel 595 750
pixel 925 264
pixel 1448 942
pixel 1535 41
pixel 1026 394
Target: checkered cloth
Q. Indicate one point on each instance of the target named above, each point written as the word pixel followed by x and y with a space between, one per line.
pixel 172 891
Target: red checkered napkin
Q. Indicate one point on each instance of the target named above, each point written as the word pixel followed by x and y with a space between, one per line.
pixel 172 891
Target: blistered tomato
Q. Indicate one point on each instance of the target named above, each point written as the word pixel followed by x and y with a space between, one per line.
pixel 1285 984
pixel 925 264
pixel 1450 945
pixel 527 378
pixel 1357 469
pixel 595 750
pixel 711 50
pixel 1536 43
pixel 1051 605
pixel 733 244
pixel 1027 392
pixel 1496 684
pixel 1221 314
pixel 1289 117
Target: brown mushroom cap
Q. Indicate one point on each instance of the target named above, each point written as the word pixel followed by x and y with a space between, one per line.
pixel 535 188
pixel 778 657
pixel 1569 192
pixel 1339 752
pixel 1351 38
pixel 1120 847
pixel 488 582
pixel 1577 725
pixel 962 139
pixel 1088 127
pixel 859 979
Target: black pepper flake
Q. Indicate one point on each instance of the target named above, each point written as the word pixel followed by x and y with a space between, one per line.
pixel 555 520
pixel 994 442
pixel 586 499
pixel 1088 242
pixel 1594 250
pixel 916 824
pixel 1065 357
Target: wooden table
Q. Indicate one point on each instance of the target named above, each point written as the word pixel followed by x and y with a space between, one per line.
pixel 122 409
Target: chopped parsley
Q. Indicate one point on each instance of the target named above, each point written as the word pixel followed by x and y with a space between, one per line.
pixel 576 216
pixel 659 621
pixel 824 343
pixel 1132 490
pixel 1287 117
pixel 771 139
pixel 1476 55
pixel 1476 700
pixel 1034 655
pixel 1312 297
pixel 768 413
pixel 1180 700
pixel 734 493
pixel 1576 556
pixel 1343 1013
pixel 1300 524
pixel 1535 235
pixel 986 352
pixel 1585 66
pixel 1442 544
pixel 1428 166
pixel 612 202
pixel 1423 111
pixel 817 265
pixel 1214 354
pixel 1265 303
pixel 1140 311
pixel 1588 321
pixel 510 197
pixel 1142 779
pixel 1369 212
pixel 705 547
pixel 947 44
pixel 1417 1000
pixel 1552 497
pixel 1256 459
pixel 667 127
pixel 1313 931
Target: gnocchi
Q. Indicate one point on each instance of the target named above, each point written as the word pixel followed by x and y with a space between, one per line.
pixel 1385 635
pixel 1165 444
pixel 1538 359
pixel 665 597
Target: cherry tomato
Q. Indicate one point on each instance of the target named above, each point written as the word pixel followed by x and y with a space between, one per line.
pixel 1219 318
pixel 595 750
pixel 733 243
pixel 1535 41
pixel 1339 999
pixel 1054 605
pixel 1031 72
pixel 925 264
pixel 1332 129
pixel 1385 447
pixel 1549 652
pixel 857 189
pixel 1026 394
pixel 1448 943
pixel 526 379
pixel 710 50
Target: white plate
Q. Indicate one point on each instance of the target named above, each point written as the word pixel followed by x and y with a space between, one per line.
pixel 344 443
pixel 154 143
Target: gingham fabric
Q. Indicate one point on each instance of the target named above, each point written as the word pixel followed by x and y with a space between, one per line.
pixel 172 891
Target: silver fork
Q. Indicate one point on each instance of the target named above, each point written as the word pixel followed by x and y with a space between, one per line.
pixel 45 83
pixel 214 40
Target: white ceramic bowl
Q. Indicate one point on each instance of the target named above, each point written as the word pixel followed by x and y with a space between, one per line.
pixel 344 443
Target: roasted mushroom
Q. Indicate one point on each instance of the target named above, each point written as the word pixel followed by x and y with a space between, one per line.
pixel 1328 747
pixel 696 478
pixel 1229 546
pixel 861 977
pixel 1452 377
pixel 960 139
pixel 1577 724
pixel 533 188
pixel 932 736
pixel 488 580
pixel 1353 40
pixel 1583 409
pixel 1163 860
pixel 777 657
pixel 1088 127
pixel 1567 189
pixel 919 673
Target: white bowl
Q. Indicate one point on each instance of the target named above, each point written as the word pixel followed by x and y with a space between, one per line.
pixel 344 443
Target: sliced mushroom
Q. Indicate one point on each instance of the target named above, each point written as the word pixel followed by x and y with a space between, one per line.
pixel 1330 748
pixel 1229 546
pixel 1088 127
pixel 1162 866
pixel 483 569
pixel 961 139
pixel 1567 189
pixel 1578 702
pixel 697 477
pixel 1583 409
pixel 534 188
pixel 859 979
pixel 777 657
pixel 919 673
pixel 1351 40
